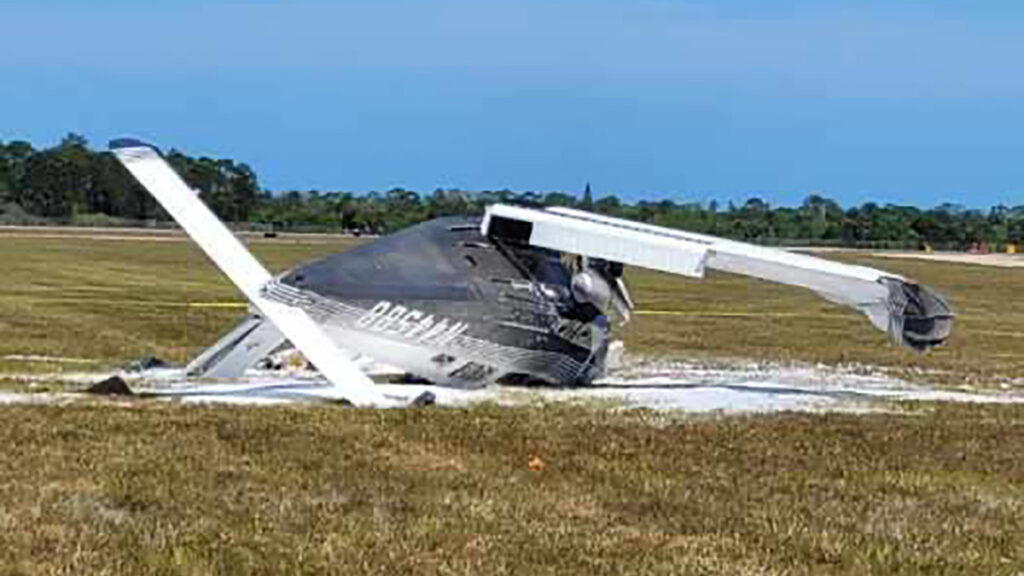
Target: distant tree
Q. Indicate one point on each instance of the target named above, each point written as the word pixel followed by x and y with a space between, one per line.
pixel 70 179
pixel 79 189
pixel 610 205
pixel 450 203
pixel 756 205
pixel 13 158
pixel 74 140
pixel 529 198
pixel 820 218
pixel 559 199
pixel 43 189
pixel 588 199
pixel 6 176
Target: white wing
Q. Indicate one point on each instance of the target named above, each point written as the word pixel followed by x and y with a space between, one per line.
pixel 912 314
pixel 184 205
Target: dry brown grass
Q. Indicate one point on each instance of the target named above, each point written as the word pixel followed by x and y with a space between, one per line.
pixel 152 489
pixel 157 489
pixel 727 316
pixel 116 301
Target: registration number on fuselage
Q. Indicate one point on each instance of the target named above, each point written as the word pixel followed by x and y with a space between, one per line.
pixel 410 324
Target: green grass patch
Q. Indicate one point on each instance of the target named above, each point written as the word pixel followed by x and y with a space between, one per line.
pixel 115 301
pixel 156 488
pixel 727 316
pixel 151 488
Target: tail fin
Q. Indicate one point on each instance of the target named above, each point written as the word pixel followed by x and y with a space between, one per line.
pixel 152 171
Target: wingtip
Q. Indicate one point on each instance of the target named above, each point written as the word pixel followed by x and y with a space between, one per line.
pixel 124 143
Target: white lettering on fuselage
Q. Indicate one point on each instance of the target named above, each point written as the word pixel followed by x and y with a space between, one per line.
pixel 396 320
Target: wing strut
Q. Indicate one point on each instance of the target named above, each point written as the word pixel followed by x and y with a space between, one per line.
pixel 152 171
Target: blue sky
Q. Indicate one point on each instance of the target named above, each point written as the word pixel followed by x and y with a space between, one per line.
pixel 905 102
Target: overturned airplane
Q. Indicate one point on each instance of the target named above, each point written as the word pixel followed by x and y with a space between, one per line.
pixel 519 296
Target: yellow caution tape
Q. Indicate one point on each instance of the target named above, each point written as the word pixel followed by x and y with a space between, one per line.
pixel 695 314
pixel 138 303
pixel 238 305
pixel 217 304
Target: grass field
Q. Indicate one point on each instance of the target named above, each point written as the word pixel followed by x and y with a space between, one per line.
pixel 156 489
pixel 141 487
pixel 114 301
pixel 729 316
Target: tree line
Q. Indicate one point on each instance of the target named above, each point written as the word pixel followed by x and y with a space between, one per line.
pixel 72 183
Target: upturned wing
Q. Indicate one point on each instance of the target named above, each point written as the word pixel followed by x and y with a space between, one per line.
pixel 913 315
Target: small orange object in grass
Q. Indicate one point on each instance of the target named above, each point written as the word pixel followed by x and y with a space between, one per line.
pixel 536 464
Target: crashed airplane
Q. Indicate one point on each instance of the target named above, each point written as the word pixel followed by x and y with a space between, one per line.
pixel 519 296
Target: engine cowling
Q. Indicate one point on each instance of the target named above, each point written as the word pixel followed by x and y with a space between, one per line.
pixel 588 287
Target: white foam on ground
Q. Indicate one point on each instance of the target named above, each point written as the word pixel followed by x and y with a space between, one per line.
pixel 9 398
pixel 690 388
pixel 45 359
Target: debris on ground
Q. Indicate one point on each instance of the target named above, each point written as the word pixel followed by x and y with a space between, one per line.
pixel 536 463
pixel 147 363
pixel 113 386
